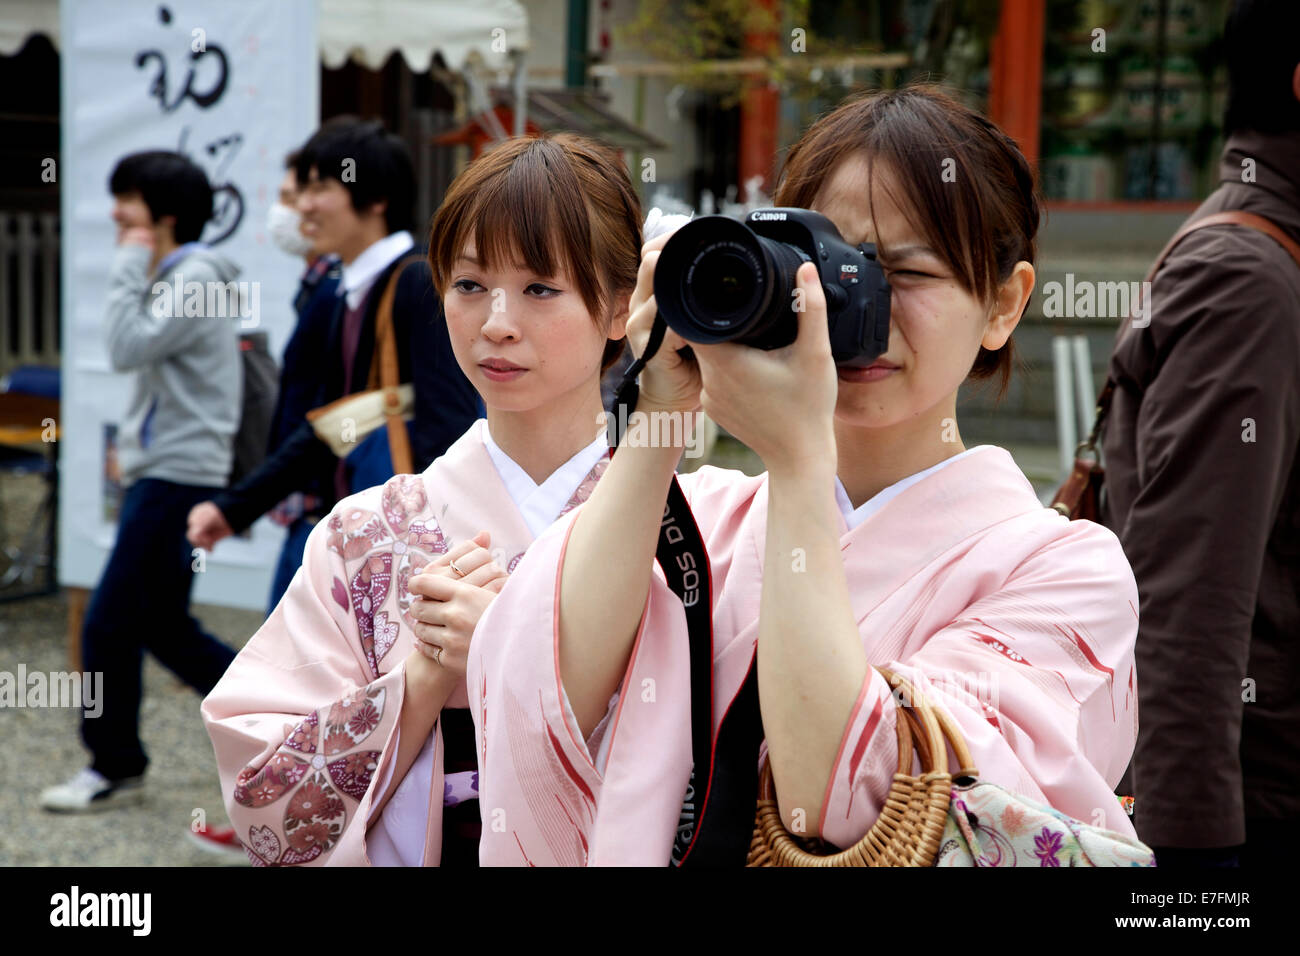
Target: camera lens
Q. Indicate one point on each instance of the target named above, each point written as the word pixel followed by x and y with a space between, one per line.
pixel 721 284
pixel 722 280
pixel 719 281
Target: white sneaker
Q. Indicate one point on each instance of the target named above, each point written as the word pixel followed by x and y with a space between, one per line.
pixel 90 791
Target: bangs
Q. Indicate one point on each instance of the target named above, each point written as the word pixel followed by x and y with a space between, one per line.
pixel 933 176
pixel 515 225
pixel 522 207
pixel 923 171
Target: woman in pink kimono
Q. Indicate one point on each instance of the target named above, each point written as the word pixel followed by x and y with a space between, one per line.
pixel 340 730
pixel 874 538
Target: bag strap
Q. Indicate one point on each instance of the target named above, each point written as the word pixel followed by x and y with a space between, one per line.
pixel 385 373
pixel 1230 217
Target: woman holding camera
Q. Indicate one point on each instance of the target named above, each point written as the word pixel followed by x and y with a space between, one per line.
pixel 340 730
pixel 875 538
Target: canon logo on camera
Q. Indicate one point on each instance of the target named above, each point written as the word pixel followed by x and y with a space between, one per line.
pixel 767 215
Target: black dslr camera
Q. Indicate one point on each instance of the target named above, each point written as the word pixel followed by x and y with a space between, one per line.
pixel 722 280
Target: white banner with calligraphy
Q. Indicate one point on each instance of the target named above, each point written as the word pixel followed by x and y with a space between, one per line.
pixel 234 85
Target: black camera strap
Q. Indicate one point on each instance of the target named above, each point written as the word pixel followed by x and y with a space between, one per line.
pixel 717 817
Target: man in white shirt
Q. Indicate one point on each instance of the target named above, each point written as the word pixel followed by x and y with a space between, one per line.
pixel 357 186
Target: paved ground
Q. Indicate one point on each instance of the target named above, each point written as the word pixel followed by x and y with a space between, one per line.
pixel 40 747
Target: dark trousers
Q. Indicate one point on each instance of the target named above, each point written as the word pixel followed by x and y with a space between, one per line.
pixel 295 543
pixel 142 603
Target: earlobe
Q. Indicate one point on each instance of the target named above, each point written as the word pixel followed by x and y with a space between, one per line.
pixel 1295 81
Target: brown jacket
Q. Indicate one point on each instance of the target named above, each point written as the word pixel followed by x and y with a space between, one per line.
pixel 1203 490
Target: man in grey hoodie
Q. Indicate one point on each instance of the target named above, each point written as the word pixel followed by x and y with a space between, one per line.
pixel 172 323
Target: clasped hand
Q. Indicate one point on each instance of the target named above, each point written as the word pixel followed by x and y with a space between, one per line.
pixel 450 600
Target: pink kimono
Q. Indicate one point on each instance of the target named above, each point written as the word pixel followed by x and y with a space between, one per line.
pixel 304 723
pixel 1021 622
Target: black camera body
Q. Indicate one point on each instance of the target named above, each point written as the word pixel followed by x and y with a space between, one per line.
pixel 719 279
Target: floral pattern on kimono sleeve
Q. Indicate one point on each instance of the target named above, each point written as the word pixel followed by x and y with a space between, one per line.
pixel 325 765
pixel 414 539
pixel 303 719
pixel 385 540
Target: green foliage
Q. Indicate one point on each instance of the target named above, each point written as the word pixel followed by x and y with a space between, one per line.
pixel 952 45
pixel 688 32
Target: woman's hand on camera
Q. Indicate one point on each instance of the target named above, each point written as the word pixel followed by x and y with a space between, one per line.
pixel 450 600
pixel 780 403
pixel 669 382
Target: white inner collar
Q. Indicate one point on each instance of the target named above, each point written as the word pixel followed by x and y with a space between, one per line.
pixel 541 504
pixel 855 516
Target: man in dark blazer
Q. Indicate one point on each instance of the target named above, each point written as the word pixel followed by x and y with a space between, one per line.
pixel 357 189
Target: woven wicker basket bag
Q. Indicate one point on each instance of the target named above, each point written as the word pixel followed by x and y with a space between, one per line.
pixel 912 820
